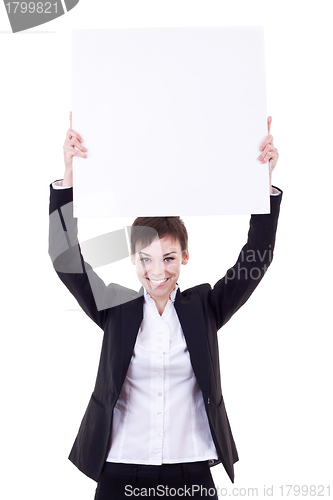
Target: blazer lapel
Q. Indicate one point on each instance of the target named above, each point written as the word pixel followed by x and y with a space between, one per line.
pixel 131 318
pixel 194 328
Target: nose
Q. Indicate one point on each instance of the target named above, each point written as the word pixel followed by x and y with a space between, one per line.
pixel 157 270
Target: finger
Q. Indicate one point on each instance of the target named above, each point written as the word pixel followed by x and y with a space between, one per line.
pixel 69 147
pixel 270 155
pixel 70 120
pixel 71 133
pixel 73 142
pixel 267 140
pixel 267 148
pixel 70 152
pixel 269 123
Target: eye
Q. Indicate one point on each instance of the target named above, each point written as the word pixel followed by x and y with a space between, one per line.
pixel 145 260
pixel 169 259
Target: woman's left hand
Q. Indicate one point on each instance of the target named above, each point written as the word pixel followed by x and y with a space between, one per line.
pixel 269 151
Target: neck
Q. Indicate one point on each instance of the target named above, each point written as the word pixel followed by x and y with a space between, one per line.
pixel 162 302
pixel 160 305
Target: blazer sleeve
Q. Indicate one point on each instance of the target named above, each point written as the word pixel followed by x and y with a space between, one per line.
pixel 87 287
pixel 234 289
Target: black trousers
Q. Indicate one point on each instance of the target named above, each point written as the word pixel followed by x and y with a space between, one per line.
pixel 120 481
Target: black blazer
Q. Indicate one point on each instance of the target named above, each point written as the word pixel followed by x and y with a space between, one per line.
pixel 202 311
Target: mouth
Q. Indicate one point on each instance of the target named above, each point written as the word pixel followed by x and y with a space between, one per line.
pixel 158 282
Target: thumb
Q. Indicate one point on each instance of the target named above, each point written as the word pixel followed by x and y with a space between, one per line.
pixel 269 123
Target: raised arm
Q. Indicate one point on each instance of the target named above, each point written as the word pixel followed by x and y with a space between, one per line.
pixel 234 289
pixel 88 288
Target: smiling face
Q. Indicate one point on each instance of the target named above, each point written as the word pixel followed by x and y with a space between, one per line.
pixel 158 268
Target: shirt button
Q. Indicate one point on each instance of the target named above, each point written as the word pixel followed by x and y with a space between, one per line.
pixel 159 413
pixel 159 393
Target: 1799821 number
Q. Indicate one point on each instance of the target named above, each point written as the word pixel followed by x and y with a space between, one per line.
pixel 31 7
pixel 305 490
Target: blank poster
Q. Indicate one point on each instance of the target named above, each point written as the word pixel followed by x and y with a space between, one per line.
pixel 172 119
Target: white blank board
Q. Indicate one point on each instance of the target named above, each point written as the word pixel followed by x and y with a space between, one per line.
pixel 172 119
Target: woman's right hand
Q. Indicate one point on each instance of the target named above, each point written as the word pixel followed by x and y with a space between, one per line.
pixel 72 147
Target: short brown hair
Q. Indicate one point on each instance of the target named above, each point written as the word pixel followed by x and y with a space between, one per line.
pixel 144 230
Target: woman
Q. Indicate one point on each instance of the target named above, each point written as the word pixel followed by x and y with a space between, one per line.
pixel 156 420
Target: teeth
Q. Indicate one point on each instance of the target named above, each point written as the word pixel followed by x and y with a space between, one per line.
pixel 158 282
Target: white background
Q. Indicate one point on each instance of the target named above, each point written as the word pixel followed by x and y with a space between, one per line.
pixel 275 353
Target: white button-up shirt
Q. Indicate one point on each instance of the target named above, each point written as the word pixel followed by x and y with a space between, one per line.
pixel 160 415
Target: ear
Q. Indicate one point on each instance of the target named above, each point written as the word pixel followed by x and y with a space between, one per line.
pixel 132 258
pixel 185 257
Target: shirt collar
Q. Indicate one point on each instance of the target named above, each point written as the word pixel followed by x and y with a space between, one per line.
pixel 172 294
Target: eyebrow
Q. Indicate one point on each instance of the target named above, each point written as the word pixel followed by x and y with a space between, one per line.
pixel 169 253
